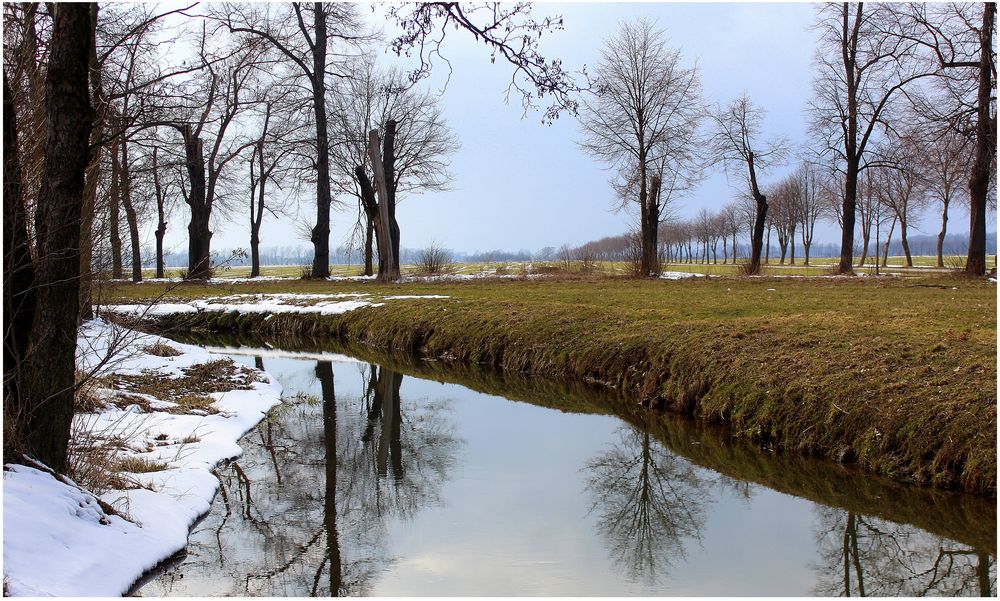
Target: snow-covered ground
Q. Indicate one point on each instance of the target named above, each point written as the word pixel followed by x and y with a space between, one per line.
pixel 57 539
pixel 322 304
pixel 679 275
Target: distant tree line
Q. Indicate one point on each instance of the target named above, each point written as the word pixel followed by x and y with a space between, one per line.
pixel 903 120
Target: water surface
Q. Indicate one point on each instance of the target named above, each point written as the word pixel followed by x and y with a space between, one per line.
pixel 366 481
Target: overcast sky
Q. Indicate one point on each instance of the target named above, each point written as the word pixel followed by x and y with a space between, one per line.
pixel 521 184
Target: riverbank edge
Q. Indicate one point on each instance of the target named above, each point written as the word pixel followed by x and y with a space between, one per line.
pixel 959 516
pixel 154 528
pixel 657 376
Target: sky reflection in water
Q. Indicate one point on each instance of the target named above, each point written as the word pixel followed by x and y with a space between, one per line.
pixel 441 490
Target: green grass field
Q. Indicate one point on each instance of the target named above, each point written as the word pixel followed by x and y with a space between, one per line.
pixel 897 374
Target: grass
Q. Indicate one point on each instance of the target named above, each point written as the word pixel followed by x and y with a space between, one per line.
pixel 136 465
pixel 160 349
pixel 897 375
pixel 191 390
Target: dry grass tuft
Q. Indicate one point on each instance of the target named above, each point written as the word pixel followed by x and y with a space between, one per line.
pixel 189 402
pixel 161 350
pixel 191 390
pixel 136 465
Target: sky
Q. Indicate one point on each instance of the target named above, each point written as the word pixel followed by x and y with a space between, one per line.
pixel 520 184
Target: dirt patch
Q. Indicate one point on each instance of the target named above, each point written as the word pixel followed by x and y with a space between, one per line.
pixel 190 391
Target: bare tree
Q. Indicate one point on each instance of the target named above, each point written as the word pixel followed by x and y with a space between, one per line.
pixel 944 159
pixel 863 65
pixel 641 120
pixel 733 224
pixel 958 38
pixel 867 209
pixel 161 188
pixel 782 213
pixel 127 71
pixel 225 82
pixel 901 187
pixel 45 366
pixel 810 207
pixel 273 154
pixel 735 143
pixel 303 33
pixel 422 145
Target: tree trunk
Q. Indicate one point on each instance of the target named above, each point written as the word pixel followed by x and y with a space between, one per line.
pixel 986 147
pixel 255 252
pixel 161 224
pixel 387 270
pixel 906 245
pixel 865 241
pixel 18 273
pixel 256 206
pixel 846 264
pixel 93 173
pixel 759 222
pixel 389 164
pixel 199 235
pixel 321 231
pixel 370 205
pixel 324 373
pixel 369 239
pixel 940 236
pixel 767 257
pixel 49 367
pixel 791 240
pixel 888 241
pixel 130 215
pixel 114 197
pixel 650 227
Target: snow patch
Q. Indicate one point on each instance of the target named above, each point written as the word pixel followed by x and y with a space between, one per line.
pixel 58 540
pixel 679 275
pixel 322 304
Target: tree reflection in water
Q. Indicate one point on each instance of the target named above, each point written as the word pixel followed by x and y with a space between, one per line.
pixel 649 501
pixel 327 479
pixel 867 556
pixel 307 508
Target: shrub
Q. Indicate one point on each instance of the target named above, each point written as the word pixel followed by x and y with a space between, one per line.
pixel 633 255
pixel 435 260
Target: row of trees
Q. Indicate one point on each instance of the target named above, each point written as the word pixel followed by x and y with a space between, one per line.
pixel 918 176
pixel 904 99
pixel 106 121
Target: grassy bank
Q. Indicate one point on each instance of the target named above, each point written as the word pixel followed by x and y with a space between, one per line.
pixel 897 375
pixel 965 518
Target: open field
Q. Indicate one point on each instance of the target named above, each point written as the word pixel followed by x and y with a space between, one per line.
pixel 896 374
pixel 817 266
